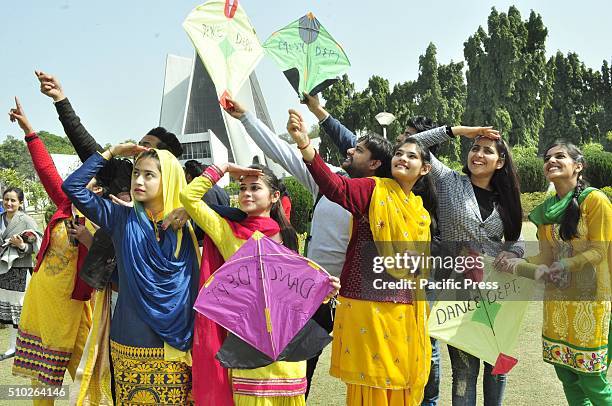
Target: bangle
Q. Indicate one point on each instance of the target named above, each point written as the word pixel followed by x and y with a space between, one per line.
pixel 305 146
pixel 111 153
pixel 218 170
pixel 449 131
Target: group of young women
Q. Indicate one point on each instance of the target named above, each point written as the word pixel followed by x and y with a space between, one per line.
pixel 161 353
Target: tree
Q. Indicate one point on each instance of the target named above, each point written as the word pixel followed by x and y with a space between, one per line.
pixel 507 83
pixel 431 102
pixel 56 144
pixel 454 92
pixel 402 104
pixel 605 91
pixel 376 97
pixel 560 118
pixel 338 98
pixel 14 155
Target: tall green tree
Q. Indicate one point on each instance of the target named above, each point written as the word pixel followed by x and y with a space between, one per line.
pixel 561 118
pixel 454 92
pixel 338 100
pixel 372 100
pixel 507 84
pixel 402 104
pixel 431 102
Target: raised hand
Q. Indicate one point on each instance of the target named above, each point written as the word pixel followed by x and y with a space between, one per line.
pixel 314 105
pixel 236 110
pixel 312 102
pixel 18 115
pixel 50 86
pixel 127 149
pixel 176 218
pixel 120 201
pixel 473 132
pixel 297 129
pixel 237 171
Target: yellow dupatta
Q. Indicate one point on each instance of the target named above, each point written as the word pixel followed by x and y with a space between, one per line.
pixel 398 222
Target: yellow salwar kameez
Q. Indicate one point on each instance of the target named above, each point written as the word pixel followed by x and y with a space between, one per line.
pixel 576 320
pixel 53 327
pixel 577 317
pixel 92 384
pixel 371 336
pixel 220 232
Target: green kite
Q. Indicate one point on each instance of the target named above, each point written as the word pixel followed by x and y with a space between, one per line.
pixel 485 325
pixel 226 42
pixel 309 57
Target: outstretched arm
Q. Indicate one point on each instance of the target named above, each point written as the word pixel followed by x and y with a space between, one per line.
pixel 100 211
pixel 342 137
pixel 84 144
pixel 43 164
pixel 273 147
pixel 352 194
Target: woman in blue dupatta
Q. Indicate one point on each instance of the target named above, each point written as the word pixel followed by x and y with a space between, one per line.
pixel 152 326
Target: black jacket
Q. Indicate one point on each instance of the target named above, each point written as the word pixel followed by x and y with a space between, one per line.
pixel 116 175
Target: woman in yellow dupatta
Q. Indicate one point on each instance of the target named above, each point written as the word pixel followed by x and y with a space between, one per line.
pixel 381 346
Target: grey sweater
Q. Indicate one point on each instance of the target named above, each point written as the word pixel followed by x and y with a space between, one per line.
pixel 19 223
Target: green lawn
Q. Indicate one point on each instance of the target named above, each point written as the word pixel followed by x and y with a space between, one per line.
pixel 531 382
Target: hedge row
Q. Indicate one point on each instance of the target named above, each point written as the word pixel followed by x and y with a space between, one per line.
pixel 599 168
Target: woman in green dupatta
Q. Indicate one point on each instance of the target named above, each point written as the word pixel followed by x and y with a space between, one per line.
pixel 574 231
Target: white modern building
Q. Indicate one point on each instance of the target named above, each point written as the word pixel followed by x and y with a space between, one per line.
pixel 190 109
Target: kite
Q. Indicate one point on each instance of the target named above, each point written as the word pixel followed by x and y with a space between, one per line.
pixel 309 57
pixel 265 295
pixel 226 43
pixel 487 324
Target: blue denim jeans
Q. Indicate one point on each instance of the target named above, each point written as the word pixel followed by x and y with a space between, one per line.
pixel 465 375
pixel 432 389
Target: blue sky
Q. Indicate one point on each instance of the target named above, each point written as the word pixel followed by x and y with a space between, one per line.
pixel 110 55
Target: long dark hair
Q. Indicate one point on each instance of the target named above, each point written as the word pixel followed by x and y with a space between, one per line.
pixel 424 186
pixel 507 189
pixel 569 223
pixel 18 192
pixel 277 213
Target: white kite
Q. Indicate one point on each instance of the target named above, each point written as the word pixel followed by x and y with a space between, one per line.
pixel 226 43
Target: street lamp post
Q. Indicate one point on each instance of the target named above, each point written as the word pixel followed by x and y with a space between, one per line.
pixel 384 119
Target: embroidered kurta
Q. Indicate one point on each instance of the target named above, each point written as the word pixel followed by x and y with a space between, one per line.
pixel 56 313
pixel 577 315
pixel 53 326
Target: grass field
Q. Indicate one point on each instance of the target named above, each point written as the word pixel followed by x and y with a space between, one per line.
pixel 531 382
